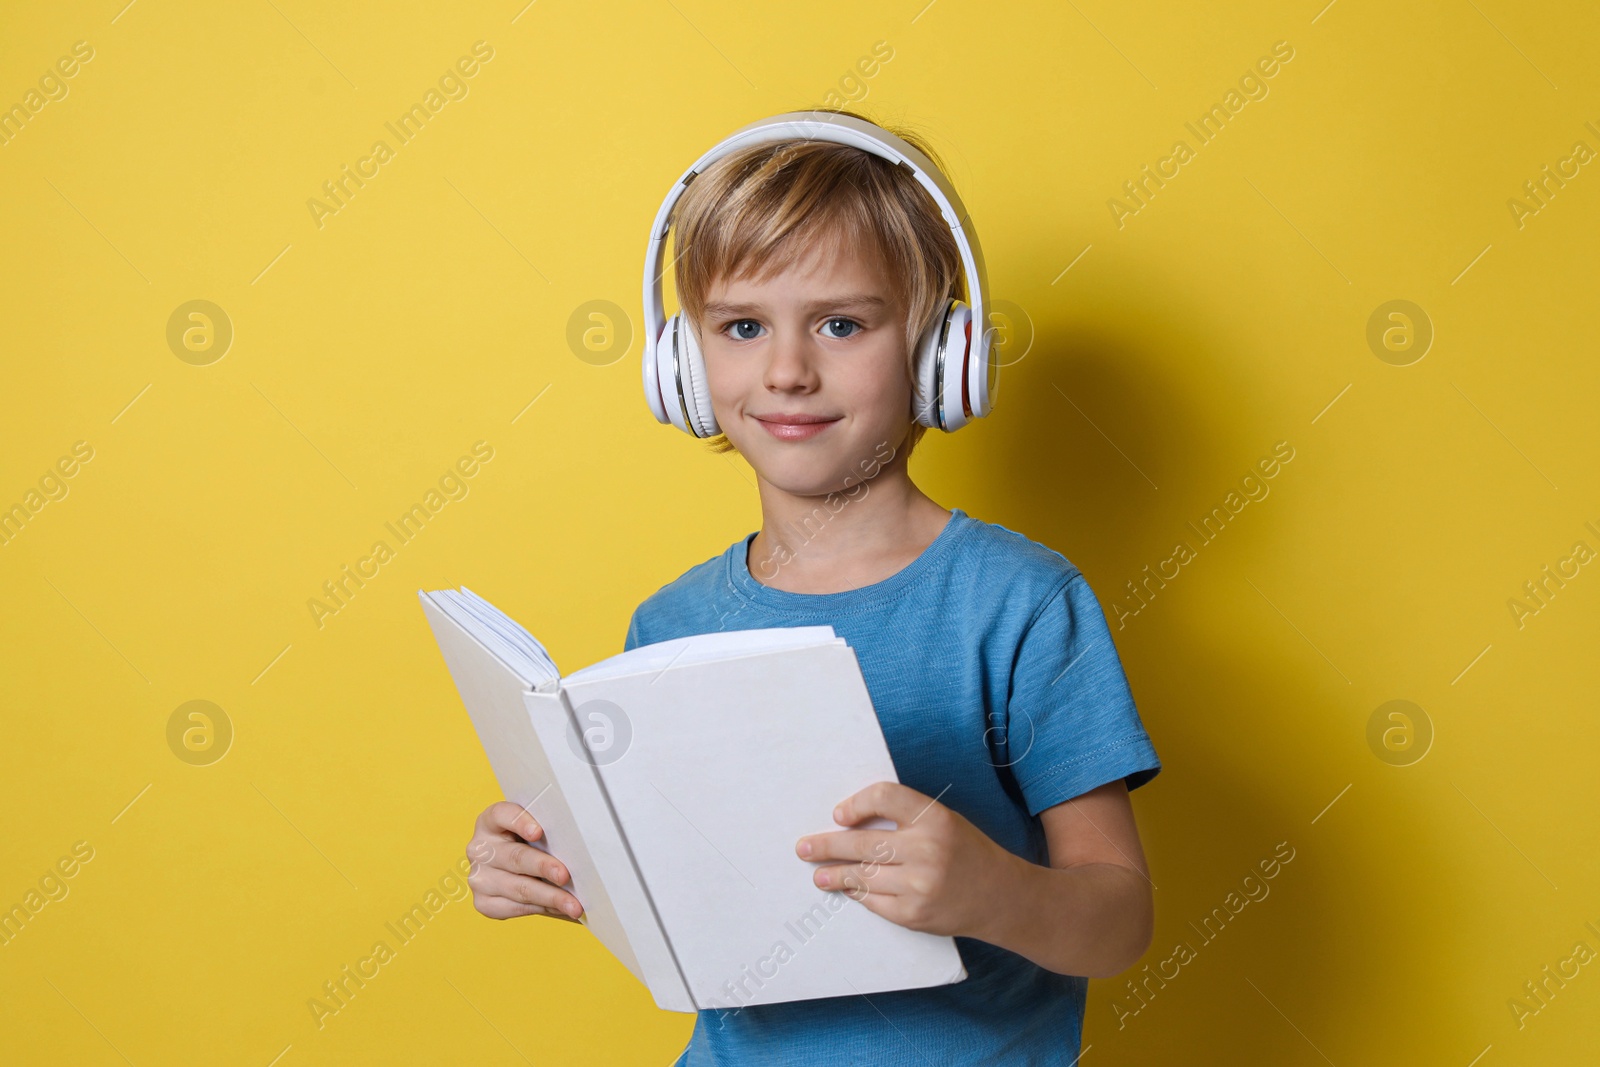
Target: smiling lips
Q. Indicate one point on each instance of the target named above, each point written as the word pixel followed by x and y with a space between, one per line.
pixel 795 427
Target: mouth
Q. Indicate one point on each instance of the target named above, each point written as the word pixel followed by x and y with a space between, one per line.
pixel 795 427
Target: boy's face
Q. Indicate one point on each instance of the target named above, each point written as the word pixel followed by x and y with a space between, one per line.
pixel 807 369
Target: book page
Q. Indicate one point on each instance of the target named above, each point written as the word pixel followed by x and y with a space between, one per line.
pixel 704 648
pixel 498 632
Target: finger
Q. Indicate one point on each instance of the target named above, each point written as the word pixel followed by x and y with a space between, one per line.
pixel 481 850
pixel 521 889
pixel 501 908
pixel 888 800
pixel 875 845
pixel 858 882
pixel 900 910
pixel 507 818
pixel 518 858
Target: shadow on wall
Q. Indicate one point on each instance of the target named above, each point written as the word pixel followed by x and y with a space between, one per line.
pixel 1226 714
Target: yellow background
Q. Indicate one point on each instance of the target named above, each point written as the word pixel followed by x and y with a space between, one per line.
pixel 368 354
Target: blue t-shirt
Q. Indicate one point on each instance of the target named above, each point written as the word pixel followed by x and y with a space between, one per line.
pixel 999 691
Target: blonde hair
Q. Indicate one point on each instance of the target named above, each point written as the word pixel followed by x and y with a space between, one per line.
pixel 760 209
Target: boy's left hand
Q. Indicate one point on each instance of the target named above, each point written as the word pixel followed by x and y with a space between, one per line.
pixel 936 873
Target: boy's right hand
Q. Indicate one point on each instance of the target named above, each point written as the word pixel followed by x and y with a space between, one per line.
pixel 510 877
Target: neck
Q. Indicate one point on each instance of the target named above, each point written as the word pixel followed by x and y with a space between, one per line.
pixel 844 540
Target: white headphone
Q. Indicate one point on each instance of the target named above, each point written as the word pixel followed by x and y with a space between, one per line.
pixel 955 379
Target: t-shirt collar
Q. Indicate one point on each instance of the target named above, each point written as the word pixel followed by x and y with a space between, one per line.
pixel 748 588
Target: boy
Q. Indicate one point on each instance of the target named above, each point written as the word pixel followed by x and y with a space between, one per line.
pixel 809 269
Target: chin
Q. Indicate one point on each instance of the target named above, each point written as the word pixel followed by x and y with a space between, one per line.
pixel 800 475
pixel 809 488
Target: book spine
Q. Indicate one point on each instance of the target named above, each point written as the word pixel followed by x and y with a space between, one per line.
pixel 633 861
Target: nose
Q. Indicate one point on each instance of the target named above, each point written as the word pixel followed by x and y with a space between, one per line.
pixel 791 364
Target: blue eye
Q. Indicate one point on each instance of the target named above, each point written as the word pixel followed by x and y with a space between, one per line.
pixel 734 326
pixel 848 322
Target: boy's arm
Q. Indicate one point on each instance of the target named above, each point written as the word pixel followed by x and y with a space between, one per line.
pixel 1091 912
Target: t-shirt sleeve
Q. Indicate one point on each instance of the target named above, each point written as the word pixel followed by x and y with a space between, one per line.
pixel 1071 721
pixel 632 641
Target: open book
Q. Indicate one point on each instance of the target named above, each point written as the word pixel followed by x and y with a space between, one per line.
pixel 673 781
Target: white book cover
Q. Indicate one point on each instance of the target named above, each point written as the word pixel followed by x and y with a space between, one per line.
pixel 674 780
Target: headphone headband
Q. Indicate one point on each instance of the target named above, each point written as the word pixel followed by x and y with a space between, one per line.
pixel 840 129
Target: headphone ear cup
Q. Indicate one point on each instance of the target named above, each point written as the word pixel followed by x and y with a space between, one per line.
pixel 953 367
pixel 926 401
pixel 652 376
pixel 696 390
pixel 667 376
